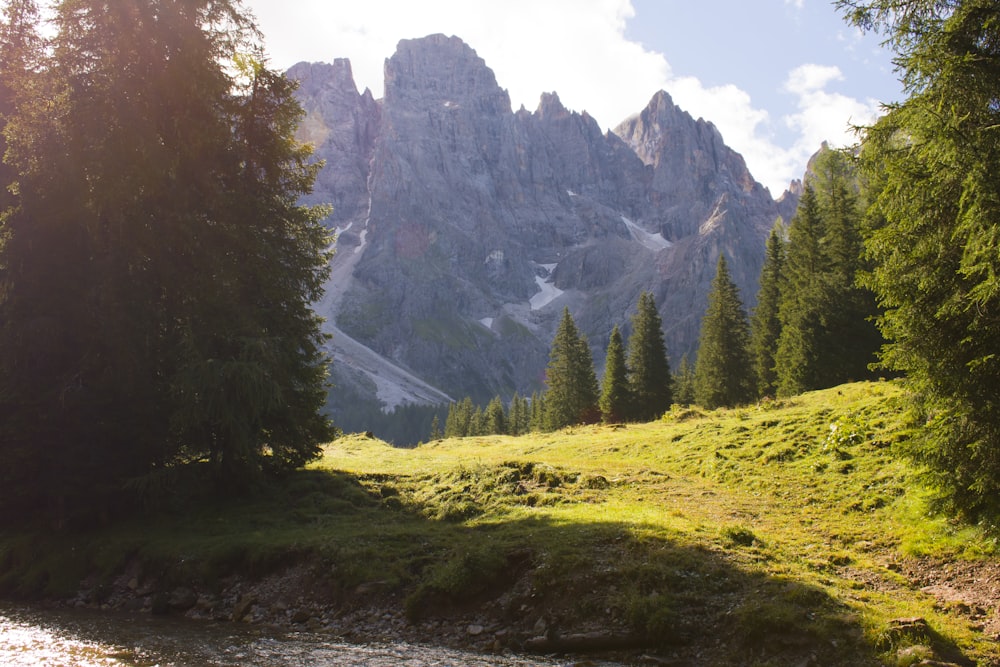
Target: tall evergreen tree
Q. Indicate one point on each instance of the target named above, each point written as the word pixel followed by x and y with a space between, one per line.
pixel 932 163
pixel 648 369
pixel 852 340
pixel 495 418
pixel 572 394
pixel 797 358
pixel 765 326
pixel 158 270
pixel 723 375
pixel 614 401
pixel 684 382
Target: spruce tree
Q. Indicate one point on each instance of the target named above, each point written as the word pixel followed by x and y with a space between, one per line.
pixel 765 325
pixel 723 375
pixel 158 269
pixel 931 163
pixel 614 401
pixel 684 382
pixel 495 418
pixel 648 369
pixel 798 355
pixel 572 394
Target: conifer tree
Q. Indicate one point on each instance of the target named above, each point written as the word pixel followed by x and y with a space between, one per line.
pixel 459 422
pixel 723 374
pixel 536 420
pixel 494 417
pixel 648 369
pixel 765 326
pixel 797 358
pixel 932 162
pixel 436 429
pixel 684 382
pixel 614 401
pixel 572 394
pixel 827 336
pixel 158 270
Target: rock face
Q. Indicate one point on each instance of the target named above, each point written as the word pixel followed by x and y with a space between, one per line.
pixel 465 228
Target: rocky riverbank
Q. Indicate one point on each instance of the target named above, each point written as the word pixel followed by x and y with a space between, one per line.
pixel 301 598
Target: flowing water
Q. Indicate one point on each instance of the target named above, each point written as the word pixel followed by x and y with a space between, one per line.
pixel 57 638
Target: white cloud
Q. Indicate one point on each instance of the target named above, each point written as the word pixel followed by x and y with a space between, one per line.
pixel 823 115
pixel 575 47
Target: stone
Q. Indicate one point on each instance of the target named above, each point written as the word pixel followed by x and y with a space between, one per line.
pixel 182 599
pixel 243 607
pixel 454 211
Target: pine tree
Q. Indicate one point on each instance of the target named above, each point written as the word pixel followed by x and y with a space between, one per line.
pixel 797 358
pixel 572 393
pixel 765 325
pixel 519 415
pixel 827 335
pixel 537 418
pixel 494 417
pixel 931 163
pixel 159 272
pixel 436 429
pixel 648 369
pixel 614 401
pixel 684 382
pixel 723 374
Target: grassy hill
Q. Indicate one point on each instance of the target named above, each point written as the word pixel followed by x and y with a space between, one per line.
pixel 788 533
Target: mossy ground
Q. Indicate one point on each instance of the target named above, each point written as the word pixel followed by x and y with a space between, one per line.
pixel 782 533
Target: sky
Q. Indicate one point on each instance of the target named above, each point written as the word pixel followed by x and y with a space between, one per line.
pixel 776 77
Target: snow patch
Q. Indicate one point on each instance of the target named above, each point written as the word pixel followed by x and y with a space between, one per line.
pixel 571 193
pixel 487 322
pixel 654 242
pixel 547 292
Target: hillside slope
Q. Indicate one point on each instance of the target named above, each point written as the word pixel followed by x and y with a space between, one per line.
pixel 788 533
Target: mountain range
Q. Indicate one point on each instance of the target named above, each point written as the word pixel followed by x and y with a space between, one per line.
pixel 464 227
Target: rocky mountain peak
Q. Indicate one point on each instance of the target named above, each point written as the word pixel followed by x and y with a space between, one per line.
pixel 442 71
pixel 466 227
pixel 325 80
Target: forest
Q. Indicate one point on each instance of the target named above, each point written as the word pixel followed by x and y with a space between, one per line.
pixel 157 268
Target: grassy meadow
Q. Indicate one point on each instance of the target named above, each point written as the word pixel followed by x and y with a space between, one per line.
pixel 785 533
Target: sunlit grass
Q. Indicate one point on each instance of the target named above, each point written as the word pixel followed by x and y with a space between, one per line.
pixel 779 522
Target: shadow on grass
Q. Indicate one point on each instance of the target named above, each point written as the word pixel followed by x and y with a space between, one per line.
pixel 459 546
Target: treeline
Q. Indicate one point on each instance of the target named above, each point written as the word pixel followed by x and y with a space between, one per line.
pixel 812 329
pixel 637 385
pixel 156 270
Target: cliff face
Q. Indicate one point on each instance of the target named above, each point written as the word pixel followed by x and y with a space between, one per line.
pixel 465 228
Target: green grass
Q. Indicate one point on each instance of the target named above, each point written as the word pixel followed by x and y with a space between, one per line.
pixel 757 536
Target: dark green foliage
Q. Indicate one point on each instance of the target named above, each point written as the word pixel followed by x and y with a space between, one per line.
pixel 495 418
pixel 648 369
pixel 459 421
pixel 684 383
pixel 723 376
pixel 931 164
pixel 827 334
pixel 571 397
pixel 801 301
pixel 765 326
pixel 615 395
pixel 519 415
pixel 157 269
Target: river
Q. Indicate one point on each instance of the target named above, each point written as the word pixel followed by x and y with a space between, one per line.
pixel 81 638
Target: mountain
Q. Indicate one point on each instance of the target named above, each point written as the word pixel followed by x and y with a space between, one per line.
pixel 465 227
